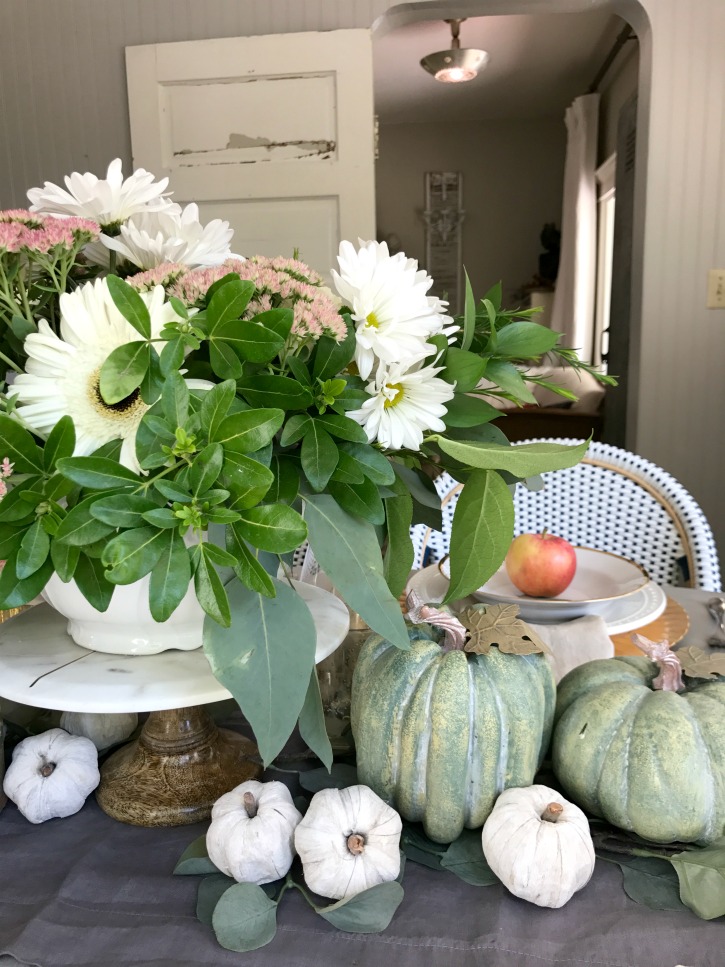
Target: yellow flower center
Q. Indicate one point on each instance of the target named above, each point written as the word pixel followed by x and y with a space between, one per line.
pixel 372 320
pixel 130 404
pixel 397 390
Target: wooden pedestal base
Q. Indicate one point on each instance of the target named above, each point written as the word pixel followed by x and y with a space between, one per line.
pixel 175 771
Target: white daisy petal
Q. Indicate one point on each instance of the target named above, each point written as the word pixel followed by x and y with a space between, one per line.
pixel 62 374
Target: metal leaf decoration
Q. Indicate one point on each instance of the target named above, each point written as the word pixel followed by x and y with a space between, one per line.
pixel 499 624
pixel 697 663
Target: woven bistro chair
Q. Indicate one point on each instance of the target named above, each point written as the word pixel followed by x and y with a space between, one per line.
pixel 613 501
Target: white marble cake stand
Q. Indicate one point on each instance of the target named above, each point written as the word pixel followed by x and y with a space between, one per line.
pixel 181 763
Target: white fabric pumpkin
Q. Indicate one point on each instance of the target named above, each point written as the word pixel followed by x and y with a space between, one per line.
pixel 103 729
pixel 539 845
pixel 348 841
pixel 51 775
pixel 252 832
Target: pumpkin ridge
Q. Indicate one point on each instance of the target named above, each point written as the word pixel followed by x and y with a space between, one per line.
pixel 411 789
pixel 716 826
pixel 625 787
pixel 708 831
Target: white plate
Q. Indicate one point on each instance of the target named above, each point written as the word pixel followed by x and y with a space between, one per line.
pixel 620 615
pixel 600 577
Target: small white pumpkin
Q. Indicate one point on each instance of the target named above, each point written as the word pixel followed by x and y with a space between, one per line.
pixel 51 775
pixel 539 845
pixel 252 832
pixel 348 841
pixel 103 729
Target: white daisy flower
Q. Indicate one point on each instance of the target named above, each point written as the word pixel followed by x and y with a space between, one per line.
pixel 62 373
pixel 107 201
pixel 172 235
pixel 387 294
pixel 402 405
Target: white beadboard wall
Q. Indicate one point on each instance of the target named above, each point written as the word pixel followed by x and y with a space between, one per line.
pixel 63 108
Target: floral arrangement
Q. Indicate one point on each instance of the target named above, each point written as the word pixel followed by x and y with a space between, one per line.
pixel 175 410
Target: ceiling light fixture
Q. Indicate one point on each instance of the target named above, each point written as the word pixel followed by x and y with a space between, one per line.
pixel 457 64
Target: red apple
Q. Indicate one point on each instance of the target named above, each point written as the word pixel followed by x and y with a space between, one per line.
pixel 541 565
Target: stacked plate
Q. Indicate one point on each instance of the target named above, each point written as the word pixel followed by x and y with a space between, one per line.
pixel 605 584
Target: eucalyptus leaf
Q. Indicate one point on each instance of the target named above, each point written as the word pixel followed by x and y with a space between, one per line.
pixel 701 873
pixel 195 859
pixel 368 912
pixel 265 659
pixel 483 526
pixel 210 892
pixel 650 880
pixel 347 548
pixel 400 552
pixel 465 858
pixel 244 918
pixel 312 723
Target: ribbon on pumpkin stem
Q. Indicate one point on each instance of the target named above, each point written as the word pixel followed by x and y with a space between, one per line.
pixel 670 676
pixel 418 612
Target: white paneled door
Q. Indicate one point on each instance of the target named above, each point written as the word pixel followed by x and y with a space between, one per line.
pixel 273 133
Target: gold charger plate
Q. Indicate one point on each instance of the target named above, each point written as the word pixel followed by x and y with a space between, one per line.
pixel 672 624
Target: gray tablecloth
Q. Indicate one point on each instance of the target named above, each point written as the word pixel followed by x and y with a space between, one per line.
pixel 92 892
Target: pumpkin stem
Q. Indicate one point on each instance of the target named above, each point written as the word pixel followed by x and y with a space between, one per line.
pixel 670 676
pixel 356 843
pixel 250 804
pixel 552 812
pixel 47 769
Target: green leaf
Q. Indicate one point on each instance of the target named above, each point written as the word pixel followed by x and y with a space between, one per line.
pixel 228 302
pixel 209 588
pixel 80 527
pixel 216 405
pixel 522 340
pixel 224 361
pixel 312 723
pixel 525 460
pixel 469 315
pixel 318 456
pixel 702 879
pixel 65 559
pixel 215 286
pixel 90 576
pixel 218 555
pixel 195 859
pixel 153 382
pixel 278 320
pixel 338 776
pixel 16 591
pixel 508 377
pixel 172 356
pixel 376 465
pixel 483 526
pixel 368 912
pixel 18 506
pixel 244 918
pixel 60 443
pixel 295 428
pixel 130 304
pixel 400 553
pixel 210 892
pixel 347 471
pixel 248 431
pixel 362 500
pixel 10 539
pixel 123 371
pixel 465 858
pixel 170 577
pixel 34 550
pixel 347 548
pixel 246 479
pixel 97 473
pixel 463 368
pixel 342 427
pixel 175 400
pixel 265 659
pixel 206 468
pixel 249 340
pixel 172 490
pixel 286 481
pixel 19 447
pixel 249 571
pixel 132 554
pixel 276 391
pixel 419 486
pixel 122 510
pixel 272 527
pixel 467 411
pixel 298 369
pixel 332 357
pixel 417 847
pixel 649 880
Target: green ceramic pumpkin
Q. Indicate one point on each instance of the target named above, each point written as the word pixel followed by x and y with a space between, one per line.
pixel 649 761
pixel 439 734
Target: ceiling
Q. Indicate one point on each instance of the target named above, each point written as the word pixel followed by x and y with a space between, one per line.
pixel 538 64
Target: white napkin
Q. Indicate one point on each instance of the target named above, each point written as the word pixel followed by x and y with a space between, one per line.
pixel 575 642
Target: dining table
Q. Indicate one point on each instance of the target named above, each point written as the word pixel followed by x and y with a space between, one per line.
pixel 90 891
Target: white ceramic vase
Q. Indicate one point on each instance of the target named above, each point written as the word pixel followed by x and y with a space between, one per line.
pixel 127 627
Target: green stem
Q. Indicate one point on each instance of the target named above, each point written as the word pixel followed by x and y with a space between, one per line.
pixel 10 363
pixel 167 470
pixel 112 262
